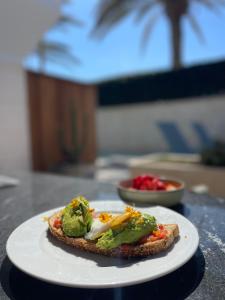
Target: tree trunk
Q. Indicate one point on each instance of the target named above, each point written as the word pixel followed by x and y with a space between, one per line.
pixel 176 41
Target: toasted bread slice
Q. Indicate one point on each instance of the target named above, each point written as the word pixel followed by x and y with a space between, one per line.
pixel 137 250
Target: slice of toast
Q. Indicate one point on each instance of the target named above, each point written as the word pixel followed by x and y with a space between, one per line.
pixel 137 250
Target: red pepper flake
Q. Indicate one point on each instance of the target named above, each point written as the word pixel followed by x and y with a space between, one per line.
pixel 154 236
pixel 57 223
pixel 160 233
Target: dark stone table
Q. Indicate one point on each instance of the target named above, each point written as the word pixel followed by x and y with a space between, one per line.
pixel 203 277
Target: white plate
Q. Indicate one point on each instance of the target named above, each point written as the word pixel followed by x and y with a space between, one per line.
pixel 33 251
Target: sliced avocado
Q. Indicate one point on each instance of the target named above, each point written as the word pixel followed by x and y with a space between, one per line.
pixel 129 233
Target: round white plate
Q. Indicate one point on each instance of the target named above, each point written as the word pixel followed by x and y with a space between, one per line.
pixel 31 248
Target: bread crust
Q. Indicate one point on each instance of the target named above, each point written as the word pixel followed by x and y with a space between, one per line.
pixel 139 250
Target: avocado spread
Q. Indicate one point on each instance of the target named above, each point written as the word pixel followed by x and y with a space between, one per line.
pixel 76 217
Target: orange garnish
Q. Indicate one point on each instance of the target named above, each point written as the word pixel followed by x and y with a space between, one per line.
pixel 105 217
pixel 133 213
pixel 74 203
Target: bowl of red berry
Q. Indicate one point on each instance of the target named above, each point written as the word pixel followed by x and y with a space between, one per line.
pixel 151 189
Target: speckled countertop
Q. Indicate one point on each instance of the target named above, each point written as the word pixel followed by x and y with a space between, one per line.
pixel 203 277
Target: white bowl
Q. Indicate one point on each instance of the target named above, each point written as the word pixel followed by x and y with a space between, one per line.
pixel 164 198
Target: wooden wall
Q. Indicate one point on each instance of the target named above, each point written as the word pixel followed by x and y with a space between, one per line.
pixel 62 121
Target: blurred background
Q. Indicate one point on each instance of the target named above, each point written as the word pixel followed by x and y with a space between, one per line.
pixel 109 89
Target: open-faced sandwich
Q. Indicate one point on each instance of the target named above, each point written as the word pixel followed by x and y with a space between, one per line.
pixel 130 234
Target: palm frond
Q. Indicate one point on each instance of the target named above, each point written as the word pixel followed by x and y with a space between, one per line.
pixel 145 9
pixel 70 20
pixel 148 30
pixel 45 45
pixel 61 59
pixel 195 26
pixel 56 51
pixel 110 12
pixel 66 21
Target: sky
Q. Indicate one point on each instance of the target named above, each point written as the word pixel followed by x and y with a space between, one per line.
pixel 119 53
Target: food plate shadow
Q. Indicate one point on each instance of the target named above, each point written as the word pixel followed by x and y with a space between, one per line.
pixel 100 260
pixel 176 285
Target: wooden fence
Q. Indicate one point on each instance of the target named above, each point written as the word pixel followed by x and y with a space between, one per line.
pixel 62 121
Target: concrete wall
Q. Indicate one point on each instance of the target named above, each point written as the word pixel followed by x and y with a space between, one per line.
pixel 14 143
pixel 22 23
pixel 133 128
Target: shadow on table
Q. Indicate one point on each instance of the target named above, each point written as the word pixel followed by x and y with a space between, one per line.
pixel 177 285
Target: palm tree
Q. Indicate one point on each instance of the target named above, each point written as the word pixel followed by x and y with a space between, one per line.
pixel 111 12
pixel 57 51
